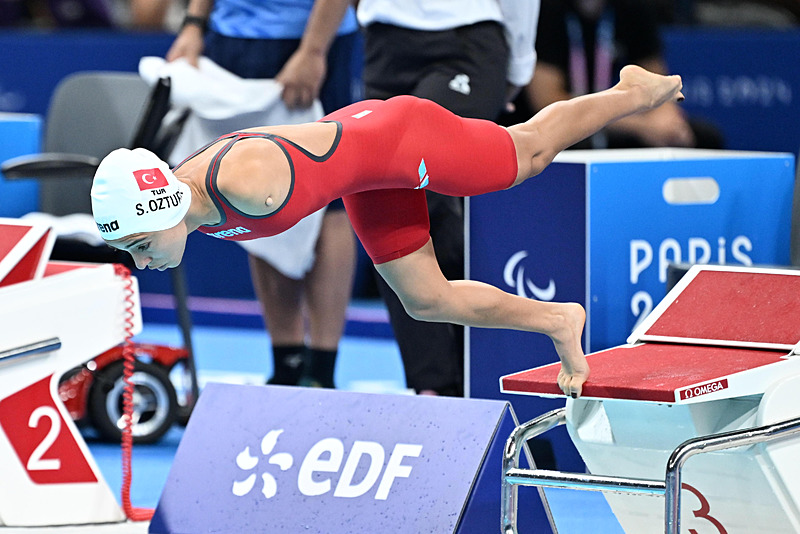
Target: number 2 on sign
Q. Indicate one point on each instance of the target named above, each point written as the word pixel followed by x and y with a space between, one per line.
pixel 702 512
pixel 35 462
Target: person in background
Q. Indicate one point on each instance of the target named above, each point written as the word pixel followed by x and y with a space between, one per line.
pixel 150 15
pixel 470 57
pixel 308 47
pixel 582 44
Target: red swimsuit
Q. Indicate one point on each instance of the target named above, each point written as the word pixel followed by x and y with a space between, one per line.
pixel 384 154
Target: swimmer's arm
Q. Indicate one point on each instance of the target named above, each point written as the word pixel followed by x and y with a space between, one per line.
pixel 323 23
pixel 253 172
pixel 303 73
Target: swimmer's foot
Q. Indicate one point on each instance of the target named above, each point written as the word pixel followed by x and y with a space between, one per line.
pixel 655 89
pixel 567 340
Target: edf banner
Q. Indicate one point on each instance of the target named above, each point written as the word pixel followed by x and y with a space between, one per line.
pixel 292 459
pixel 600 228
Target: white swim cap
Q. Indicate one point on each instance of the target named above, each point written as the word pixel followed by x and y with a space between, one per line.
pixel 134 191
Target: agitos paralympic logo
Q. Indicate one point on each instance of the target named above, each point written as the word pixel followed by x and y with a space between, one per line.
pixel 327 457
pixel 514 276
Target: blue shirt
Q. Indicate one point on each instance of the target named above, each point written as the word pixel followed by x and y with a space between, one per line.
pixel 268 19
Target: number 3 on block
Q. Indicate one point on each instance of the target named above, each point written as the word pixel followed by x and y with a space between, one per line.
pixel 704 511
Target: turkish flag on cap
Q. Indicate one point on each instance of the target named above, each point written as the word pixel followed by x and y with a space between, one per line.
pixel 150 179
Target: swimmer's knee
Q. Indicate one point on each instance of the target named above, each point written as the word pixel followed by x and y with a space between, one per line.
pixel 533 152
pixel 422 308
pixel 539 162
pixel 420 312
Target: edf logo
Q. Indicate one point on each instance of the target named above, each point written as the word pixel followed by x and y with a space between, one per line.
pixel 315 474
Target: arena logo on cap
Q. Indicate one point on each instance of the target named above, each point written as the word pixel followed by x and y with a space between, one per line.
pixel 106 228
pixel 150 179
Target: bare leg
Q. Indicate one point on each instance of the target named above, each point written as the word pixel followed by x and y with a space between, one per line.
pixel 428 296
pixel 329 284
pixel 281 302
pixel 562 124
pixel 282 306
pixel 328 289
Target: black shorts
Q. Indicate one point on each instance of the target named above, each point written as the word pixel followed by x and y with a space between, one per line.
pixel 463 69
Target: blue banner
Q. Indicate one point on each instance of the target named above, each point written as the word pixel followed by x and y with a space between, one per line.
pixel 20 135
pixel 600 228
pixel 33 62
pixel 528 241
pixel 745 81
pixel 636 230
pixel 289 459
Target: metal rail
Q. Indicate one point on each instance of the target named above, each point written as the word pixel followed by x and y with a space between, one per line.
pixel 24 351
pixel 511 454
pixel 514 476
pixel 715 442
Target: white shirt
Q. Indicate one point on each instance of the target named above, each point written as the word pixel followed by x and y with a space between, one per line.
pixel 519 17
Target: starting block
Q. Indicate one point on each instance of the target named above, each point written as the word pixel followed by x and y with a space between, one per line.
pixel 24 250
pixel 713 369
pixel 55 316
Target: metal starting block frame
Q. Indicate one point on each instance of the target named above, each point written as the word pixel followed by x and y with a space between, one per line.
pixel 715 362
pixel 669 488
pixel 54 316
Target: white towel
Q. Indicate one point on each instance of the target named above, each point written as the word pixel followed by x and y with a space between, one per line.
pixel 222 102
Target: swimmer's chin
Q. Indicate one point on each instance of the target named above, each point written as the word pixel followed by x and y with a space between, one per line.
pixel 163 267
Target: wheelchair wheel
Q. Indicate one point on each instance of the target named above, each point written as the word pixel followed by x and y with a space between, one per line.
pixel 155 404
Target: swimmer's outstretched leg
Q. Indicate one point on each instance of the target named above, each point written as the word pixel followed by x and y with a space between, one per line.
pixel 562 124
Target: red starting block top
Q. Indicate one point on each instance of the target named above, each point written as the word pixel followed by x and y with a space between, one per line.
pixel 730 306
pixel 721 332
pixel 58 267
pixel 24 249
pixel 660 372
